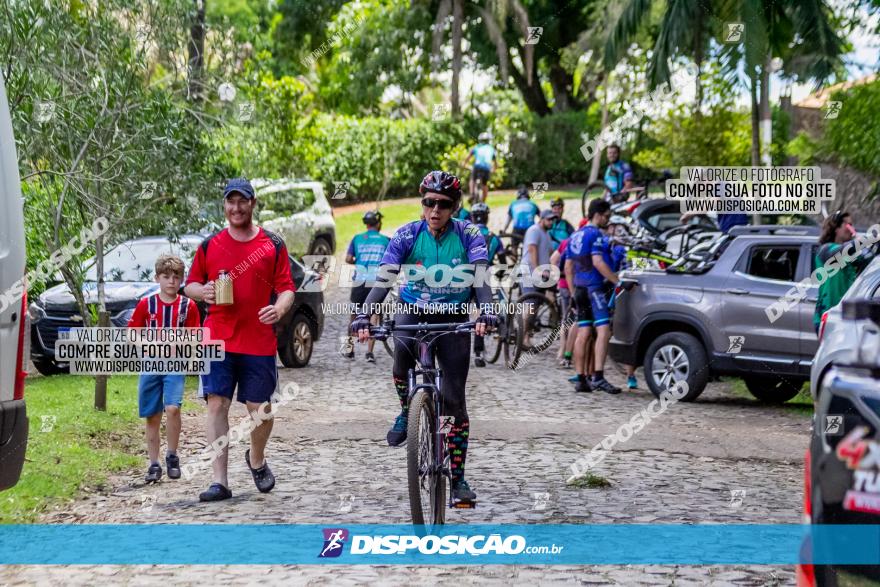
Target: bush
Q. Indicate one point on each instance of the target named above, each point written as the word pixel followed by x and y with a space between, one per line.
pixel 851 138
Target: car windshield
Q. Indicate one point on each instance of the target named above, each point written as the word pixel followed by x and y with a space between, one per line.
pixel 134 260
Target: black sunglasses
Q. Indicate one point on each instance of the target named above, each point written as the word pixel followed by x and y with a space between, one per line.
pixel 435 202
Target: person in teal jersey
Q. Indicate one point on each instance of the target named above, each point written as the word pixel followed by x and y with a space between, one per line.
pixel 562 228
pixel 365 252
pixel 521 213
pixel 462 214
pixel 433 245
pixel 480 217
pixel 483 156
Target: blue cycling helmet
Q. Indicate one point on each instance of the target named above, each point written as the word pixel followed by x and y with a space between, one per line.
pixel 480 213
pixel 441 182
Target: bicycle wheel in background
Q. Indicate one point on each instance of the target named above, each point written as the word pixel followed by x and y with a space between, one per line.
pixel 512 340
pixel 427 485
pixel 540 326
pixel 495 341
pixel 596 189
pixel 388 343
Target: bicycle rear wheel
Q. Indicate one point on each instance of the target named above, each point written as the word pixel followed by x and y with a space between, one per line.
pixel 495 342
pixel 512 340
pixel 427 485
pixel 594 190
pixel 540 323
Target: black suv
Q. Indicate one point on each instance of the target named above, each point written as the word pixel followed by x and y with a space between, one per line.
pixel 128 274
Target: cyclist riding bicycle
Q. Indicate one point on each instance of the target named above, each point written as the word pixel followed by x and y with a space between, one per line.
pixel 562 228
pixel 618 175
pixel 480 217
pixel 365 252
pixel 432 246
pixel 521 212
pixel 483 155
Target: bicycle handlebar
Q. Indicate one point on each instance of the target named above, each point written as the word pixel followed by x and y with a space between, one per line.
pixel 389 327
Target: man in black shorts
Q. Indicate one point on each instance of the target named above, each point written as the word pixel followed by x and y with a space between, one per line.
pixel 365 252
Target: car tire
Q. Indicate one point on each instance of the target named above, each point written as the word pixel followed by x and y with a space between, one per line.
pixel 772 389
pixel 688 359
pixel 300 337
pixel 321 246
pixel 48 367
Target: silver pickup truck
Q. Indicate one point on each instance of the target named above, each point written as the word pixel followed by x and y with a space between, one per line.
pixel 707 315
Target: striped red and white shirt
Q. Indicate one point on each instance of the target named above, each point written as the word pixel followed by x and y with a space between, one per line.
pixel 152 312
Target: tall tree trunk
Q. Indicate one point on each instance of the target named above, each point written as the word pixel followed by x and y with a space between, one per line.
pixel 196 53
pixel 756 140
pixel 532 95
pixel 766 119
pixel 594 164
pixel 457 17
pixel 561 82
pixel 103 319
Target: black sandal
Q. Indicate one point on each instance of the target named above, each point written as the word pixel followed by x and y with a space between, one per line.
pixel 216 492
pixel 263 477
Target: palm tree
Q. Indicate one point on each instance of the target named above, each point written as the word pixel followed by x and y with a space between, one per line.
pixel 443 10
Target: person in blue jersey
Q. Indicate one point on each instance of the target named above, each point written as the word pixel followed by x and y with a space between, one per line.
pixel 462 213
pixel 483 156
pixel 618 175
pixel 562 228
pixel 521 213
pixel 434 244
pixel 589 260
pixel 480 217
pixel 365 252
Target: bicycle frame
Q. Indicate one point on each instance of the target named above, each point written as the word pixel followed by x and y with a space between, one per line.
pixel 428 370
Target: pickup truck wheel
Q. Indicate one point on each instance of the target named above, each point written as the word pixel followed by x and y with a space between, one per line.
pixel 772 390
pixel 49 367
pixel 297 352
pixel 321 246
pixel 676 357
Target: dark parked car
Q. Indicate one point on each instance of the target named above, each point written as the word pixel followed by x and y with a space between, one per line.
pixel 706 315
pixel 843 462
pixel 128 274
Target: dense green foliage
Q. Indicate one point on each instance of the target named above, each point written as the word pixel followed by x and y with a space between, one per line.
pixel 853 138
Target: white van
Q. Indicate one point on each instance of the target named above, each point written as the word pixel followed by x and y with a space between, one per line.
pixel 14 323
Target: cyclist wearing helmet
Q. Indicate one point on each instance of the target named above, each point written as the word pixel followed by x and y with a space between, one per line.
pixel 521 212
pixel 562 228
pixel 483 155
pixel 618 174
pixel 365 252
pixel 434 244
pixel 480 217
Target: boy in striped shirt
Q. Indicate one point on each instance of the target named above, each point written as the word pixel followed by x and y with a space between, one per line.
pixel 164 309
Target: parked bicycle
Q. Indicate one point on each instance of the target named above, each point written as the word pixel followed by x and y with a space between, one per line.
pixel 619 200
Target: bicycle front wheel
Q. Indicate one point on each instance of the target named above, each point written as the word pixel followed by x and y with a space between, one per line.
pixel 594 190
pixel 427 485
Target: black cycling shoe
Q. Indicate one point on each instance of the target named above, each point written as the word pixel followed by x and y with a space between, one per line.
pixel 215 492
pixel 583 386
pixel 154 473
pixel 397 435
pixel 461 491
pixel 479 361
pixel 370 358
pixel 172 463
pixel 605 386
pixel 263 477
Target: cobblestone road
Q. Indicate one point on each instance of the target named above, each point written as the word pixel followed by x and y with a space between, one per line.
pixel 333 466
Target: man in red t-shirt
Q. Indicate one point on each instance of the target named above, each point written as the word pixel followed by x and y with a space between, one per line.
pixel 257 262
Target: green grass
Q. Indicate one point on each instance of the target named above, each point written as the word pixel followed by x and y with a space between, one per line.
pixel 590 481
pixel 395 215
pixel 802 403
pixel 75 446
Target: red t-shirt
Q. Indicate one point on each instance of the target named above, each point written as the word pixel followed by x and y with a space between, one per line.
pixel 255 277
pixel 152 312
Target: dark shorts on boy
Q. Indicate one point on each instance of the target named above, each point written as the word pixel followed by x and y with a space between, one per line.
pixel 481 173
pixel 155 392
pixel 582 303
pixel 255 376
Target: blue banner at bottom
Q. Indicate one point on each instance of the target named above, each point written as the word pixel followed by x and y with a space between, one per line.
pixel 617 544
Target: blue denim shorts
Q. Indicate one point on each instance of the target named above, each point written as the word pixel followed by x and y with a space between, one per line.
pixel 255 376
pixel 157 391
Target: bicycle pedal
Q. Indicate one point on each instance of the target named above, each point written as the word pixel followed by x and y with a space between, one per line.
pixel 463 505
